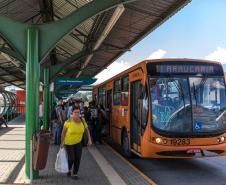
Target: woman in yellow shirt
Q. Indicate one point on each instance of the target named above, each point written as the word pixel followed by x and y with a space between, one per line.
pixel 71 139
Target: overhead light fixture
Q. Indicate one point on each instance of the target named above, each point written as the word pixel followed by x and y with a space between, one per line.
pixel 114 18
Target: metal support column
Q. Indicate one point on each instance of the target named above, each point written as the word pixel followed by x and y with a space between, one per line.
pixel 32 96
pixel 46 102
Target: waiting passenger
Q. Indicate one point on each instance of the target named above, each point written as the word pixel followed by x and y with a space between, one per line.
pixel 87 115
pixel 94 122
pixel 103 121
pixel 81 107
pixel 61 118
pixel 69 110
pixel 3 121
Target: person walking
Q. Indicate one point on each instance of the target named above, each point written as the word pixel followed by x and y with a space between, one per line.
pixel 61 118
pixel 103 120
pixel 71 139
pixel 94 122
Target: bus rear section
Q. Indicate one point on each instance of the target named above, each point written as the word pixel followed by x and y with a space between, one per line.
pixel 187 109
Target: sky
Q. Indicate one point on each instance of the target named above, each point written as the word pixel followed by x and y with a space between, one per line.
pixel 197 31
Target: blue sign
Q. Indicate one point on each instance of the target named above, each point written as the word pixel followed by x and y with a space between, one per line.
pixel 198 125
pixel 67 92
pixel 75 81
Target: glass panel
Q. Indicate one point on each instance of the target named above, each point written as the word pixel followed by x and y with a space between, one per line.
pixel 125 84
pixel 171 109
pixel 136 88
pixel 208 104
pixel 124 98
pixel 109 99
pixel 144 109
pixel 102 96
pixel 116 98
pixel 124 93
pixel 117 86
pixel 117 92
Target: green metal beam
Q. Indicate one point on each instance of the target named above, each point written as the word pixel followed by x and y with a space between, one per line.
pixel 54 70
pixel 52 33
pixel 14 33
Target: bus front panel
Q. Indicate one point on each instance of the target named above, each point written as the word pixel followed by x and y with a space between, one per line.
pixel 188 108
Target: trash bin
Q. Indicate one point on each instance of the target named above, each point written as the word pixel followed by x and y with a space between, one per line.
pixel 41 148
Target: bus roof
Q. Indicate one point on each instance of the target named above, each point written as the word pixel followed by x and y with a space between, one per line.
pixel 181 59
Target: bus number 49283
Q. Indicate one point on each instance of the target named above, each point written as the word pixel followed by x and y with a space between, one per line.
pixel 180 142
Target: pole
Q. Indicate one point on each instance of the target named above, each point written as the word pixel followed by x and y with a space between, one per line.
pixel 32 95
pixel 46 101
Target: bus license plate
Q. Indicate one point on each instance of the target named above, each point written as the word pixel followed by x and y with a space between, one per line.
pixel 180 142
pixel 194 151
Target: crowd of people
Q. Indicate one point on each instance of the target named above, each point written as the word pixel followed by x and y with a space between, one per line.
pixel 94 115
pixel 69 121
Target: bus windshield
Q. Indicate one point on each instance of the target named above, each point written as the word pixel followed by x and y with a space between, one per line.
pixel 185 105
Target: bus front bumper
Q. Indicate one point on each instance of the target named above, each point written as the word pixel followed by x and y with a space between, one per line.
pixel 161 151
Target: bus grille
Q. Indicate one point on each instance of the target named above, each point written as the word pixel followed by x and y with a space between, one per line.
pixel 183 153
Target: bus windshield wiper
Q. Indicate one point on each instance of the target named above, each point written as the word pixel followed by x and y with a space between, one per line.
pixel 219 117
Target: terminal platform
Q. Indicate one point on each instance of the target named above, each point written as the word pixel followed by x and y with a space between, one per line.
pixel 100 164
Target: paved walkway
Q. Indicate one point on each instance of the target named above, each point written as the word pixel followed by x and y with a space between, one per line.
pixel 99 165
pixel 12 150
pixel 128 172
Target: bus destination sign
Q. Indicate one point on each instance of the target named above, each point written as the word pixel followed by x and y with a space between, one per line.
pixel 184 68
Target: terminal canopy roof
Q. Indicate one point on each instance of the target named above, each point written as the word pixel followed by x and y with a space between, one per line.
pixel 97 49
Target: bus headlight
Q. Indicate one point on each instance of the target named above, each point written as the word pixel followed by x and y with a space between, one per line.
pixel 221 139
pixel 158 140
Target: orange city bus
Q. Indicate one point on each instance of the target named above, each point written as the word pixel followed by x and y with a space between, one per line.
pixel 167 108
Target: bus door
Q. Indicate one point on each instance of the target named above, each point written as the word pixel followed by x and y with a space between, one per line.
pixel 135 118
pixel 109 110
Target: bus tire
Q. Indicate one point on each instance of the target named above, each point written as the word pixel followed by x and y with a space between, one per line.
pixel 125 144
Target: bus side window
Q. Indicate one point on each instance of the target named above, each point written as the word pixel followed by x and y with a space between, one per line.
pixel 117 92
pixel 124 91
pixel 144 110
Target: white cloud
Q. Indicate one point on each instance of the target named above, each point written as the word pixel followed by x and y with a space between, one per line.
pixel 112 70
pixel 218 55
pixel 157 54
pixel 119 66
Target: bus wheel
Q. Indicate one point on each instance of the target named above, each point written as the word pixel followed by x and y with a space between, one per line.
pixel 125 144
